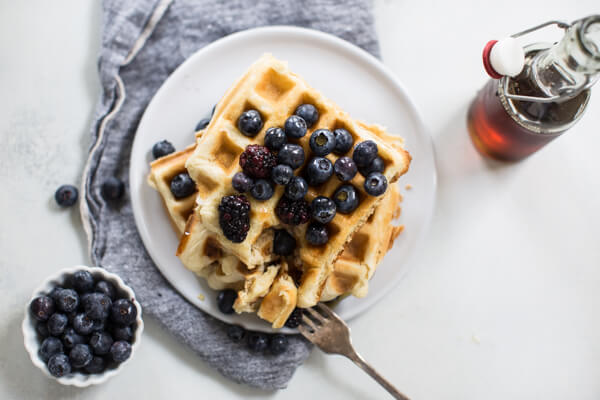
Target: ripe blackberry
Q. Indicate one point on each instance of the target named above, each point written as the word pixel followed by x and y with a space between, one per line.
pixel 257 161
pixel 293 212
pixel 234 217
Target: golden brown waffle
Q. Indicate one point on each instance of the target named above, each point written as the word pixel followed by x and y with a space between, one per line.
pixel 269 87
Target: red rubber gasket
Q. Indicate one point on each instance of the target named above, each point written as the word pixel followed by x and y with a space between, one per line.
pixel 486 60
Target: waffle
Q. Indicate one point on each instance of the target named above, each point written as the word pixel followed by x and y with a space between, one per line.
pixel 269 87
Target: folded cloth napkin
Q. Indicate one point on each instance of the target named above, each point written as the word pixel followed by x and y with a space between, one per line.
pixel 143 41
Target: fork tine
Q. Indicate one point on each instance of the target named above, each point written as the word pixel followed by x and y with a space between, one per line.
pixel 327 311
pixel 304 331
pixel 313 313
pixel 309 322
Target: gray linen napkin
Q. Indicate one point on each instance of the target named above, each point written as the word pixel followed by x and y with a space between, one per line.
pixel 143 41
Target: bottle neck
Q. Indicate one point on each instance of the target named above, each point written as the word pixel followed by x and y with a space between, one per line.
pixel 573 64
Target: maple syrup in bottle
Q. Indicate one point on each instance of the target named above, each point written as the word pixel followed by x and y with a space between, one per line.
pixel 513 117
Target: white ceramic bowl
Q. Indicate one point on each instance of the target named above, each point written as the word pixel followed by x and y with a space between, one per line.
pixel 32 343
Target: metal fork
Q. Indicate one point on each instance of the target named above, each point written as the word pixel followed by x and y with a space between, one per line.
pixel 331 334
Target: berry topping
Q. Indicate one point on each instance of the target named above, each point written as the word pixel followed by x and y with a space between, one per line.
pixel 235 333
pixel 242 182
pixel 308 113
pixel 316 234
pixel 293 212
pixel 234 217
pixel 346 199
pixel 262 190
pixel 283 243
pixel 83 324
pixel 123 312
pixel 162 148
pixel 122 333
pixel 318 171
pixel 57 323
pixel 377 165
pixel 345 169
pixel 375 184
pixel 250 123
pixel 364 153
pixel 182 185
pixel 54 293
pixel 257 341
pixel 257 161
pixel 275 138
pixel 99 325
pixel 66 195
pixel 67 300
pixel 282 174
pixel 42 329
pixel 278 344
pixel 107 288
pixel 343 141
pixel 203 123
pixel 97 305
pixel 294 319
pixel 120 351
pixel 225 300
pixel 42 308
pixel 292 155
pixel 322 209
pixel 95 366
pixel 297 188
pixel 295 127
pixel 100 342
pixel 80 355
pixel 322 142
pixel 70 338
pixel 83 281
pixel 59 365
pixel 49 347
pixel 112 188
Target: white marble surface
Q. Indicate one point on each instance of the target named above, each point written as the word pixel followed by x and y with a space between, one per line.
pixel 503 304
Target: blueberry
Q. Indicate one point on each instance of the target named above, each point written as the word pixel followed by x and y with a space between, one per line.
pixel 278 345
pixel 294 319
pixel 375 184
pixel 82 281
pixel 235 332
pixel 97 305
pixel 364 153
pixel 49 347
pixel 107 288
pixel 123 312
pixel 345 169
pixel 122 333
pixel 162 148
pixel 317 234
pixel 346 199
pixel 120 351
pixel 68 300
pixel 59 365
pixel 71 317
pixel 66 195
pixel 42 329
pixel 257 341
pixel 112 188
pixel 296 189
pixel 309 113
pixel 42 308
pixel 377 165
pixel 283 243
pixel 203 123
pixel 262 190
pixel 70 338
pixel 343 141
pixel 212 112
pixel 242 182
pixel 83 324
pixel 282 174
pixel 295 127
pixel 275 138
pixel 80 355
pixel 182 185
pixel 318 171
pixel 225 300
pixel 57 323
pixel 99 325
pixel 291 154
pixel 100 342
pixel 250 123
pixel 54 293
pixel 322 209
pixel 96 366
pixel 322 142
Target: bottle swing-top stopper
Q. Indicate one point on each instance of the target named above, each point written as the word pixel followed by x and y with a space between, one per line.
pixel 503 57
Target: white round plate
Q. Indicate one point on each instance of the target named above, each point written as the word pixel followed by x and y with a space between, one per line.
pixel 349 76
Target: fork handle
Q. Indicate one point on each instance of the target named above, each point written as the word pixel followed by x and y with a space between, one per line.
pixel 358 360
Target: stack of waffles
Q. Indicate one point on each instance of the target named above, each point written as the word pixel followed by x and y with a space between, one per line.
pixel 269 284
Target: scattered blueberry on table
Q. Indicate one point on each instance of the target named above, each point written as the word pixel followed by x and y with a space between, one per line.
pixel 66 195
pixel 112 188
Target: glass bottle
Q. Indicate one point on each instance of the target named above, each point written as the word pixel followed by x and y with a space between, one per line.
pixel 513 117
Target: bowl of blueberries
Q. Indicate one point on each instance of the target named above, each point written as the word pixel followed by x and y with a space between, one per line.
pixel 82 326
